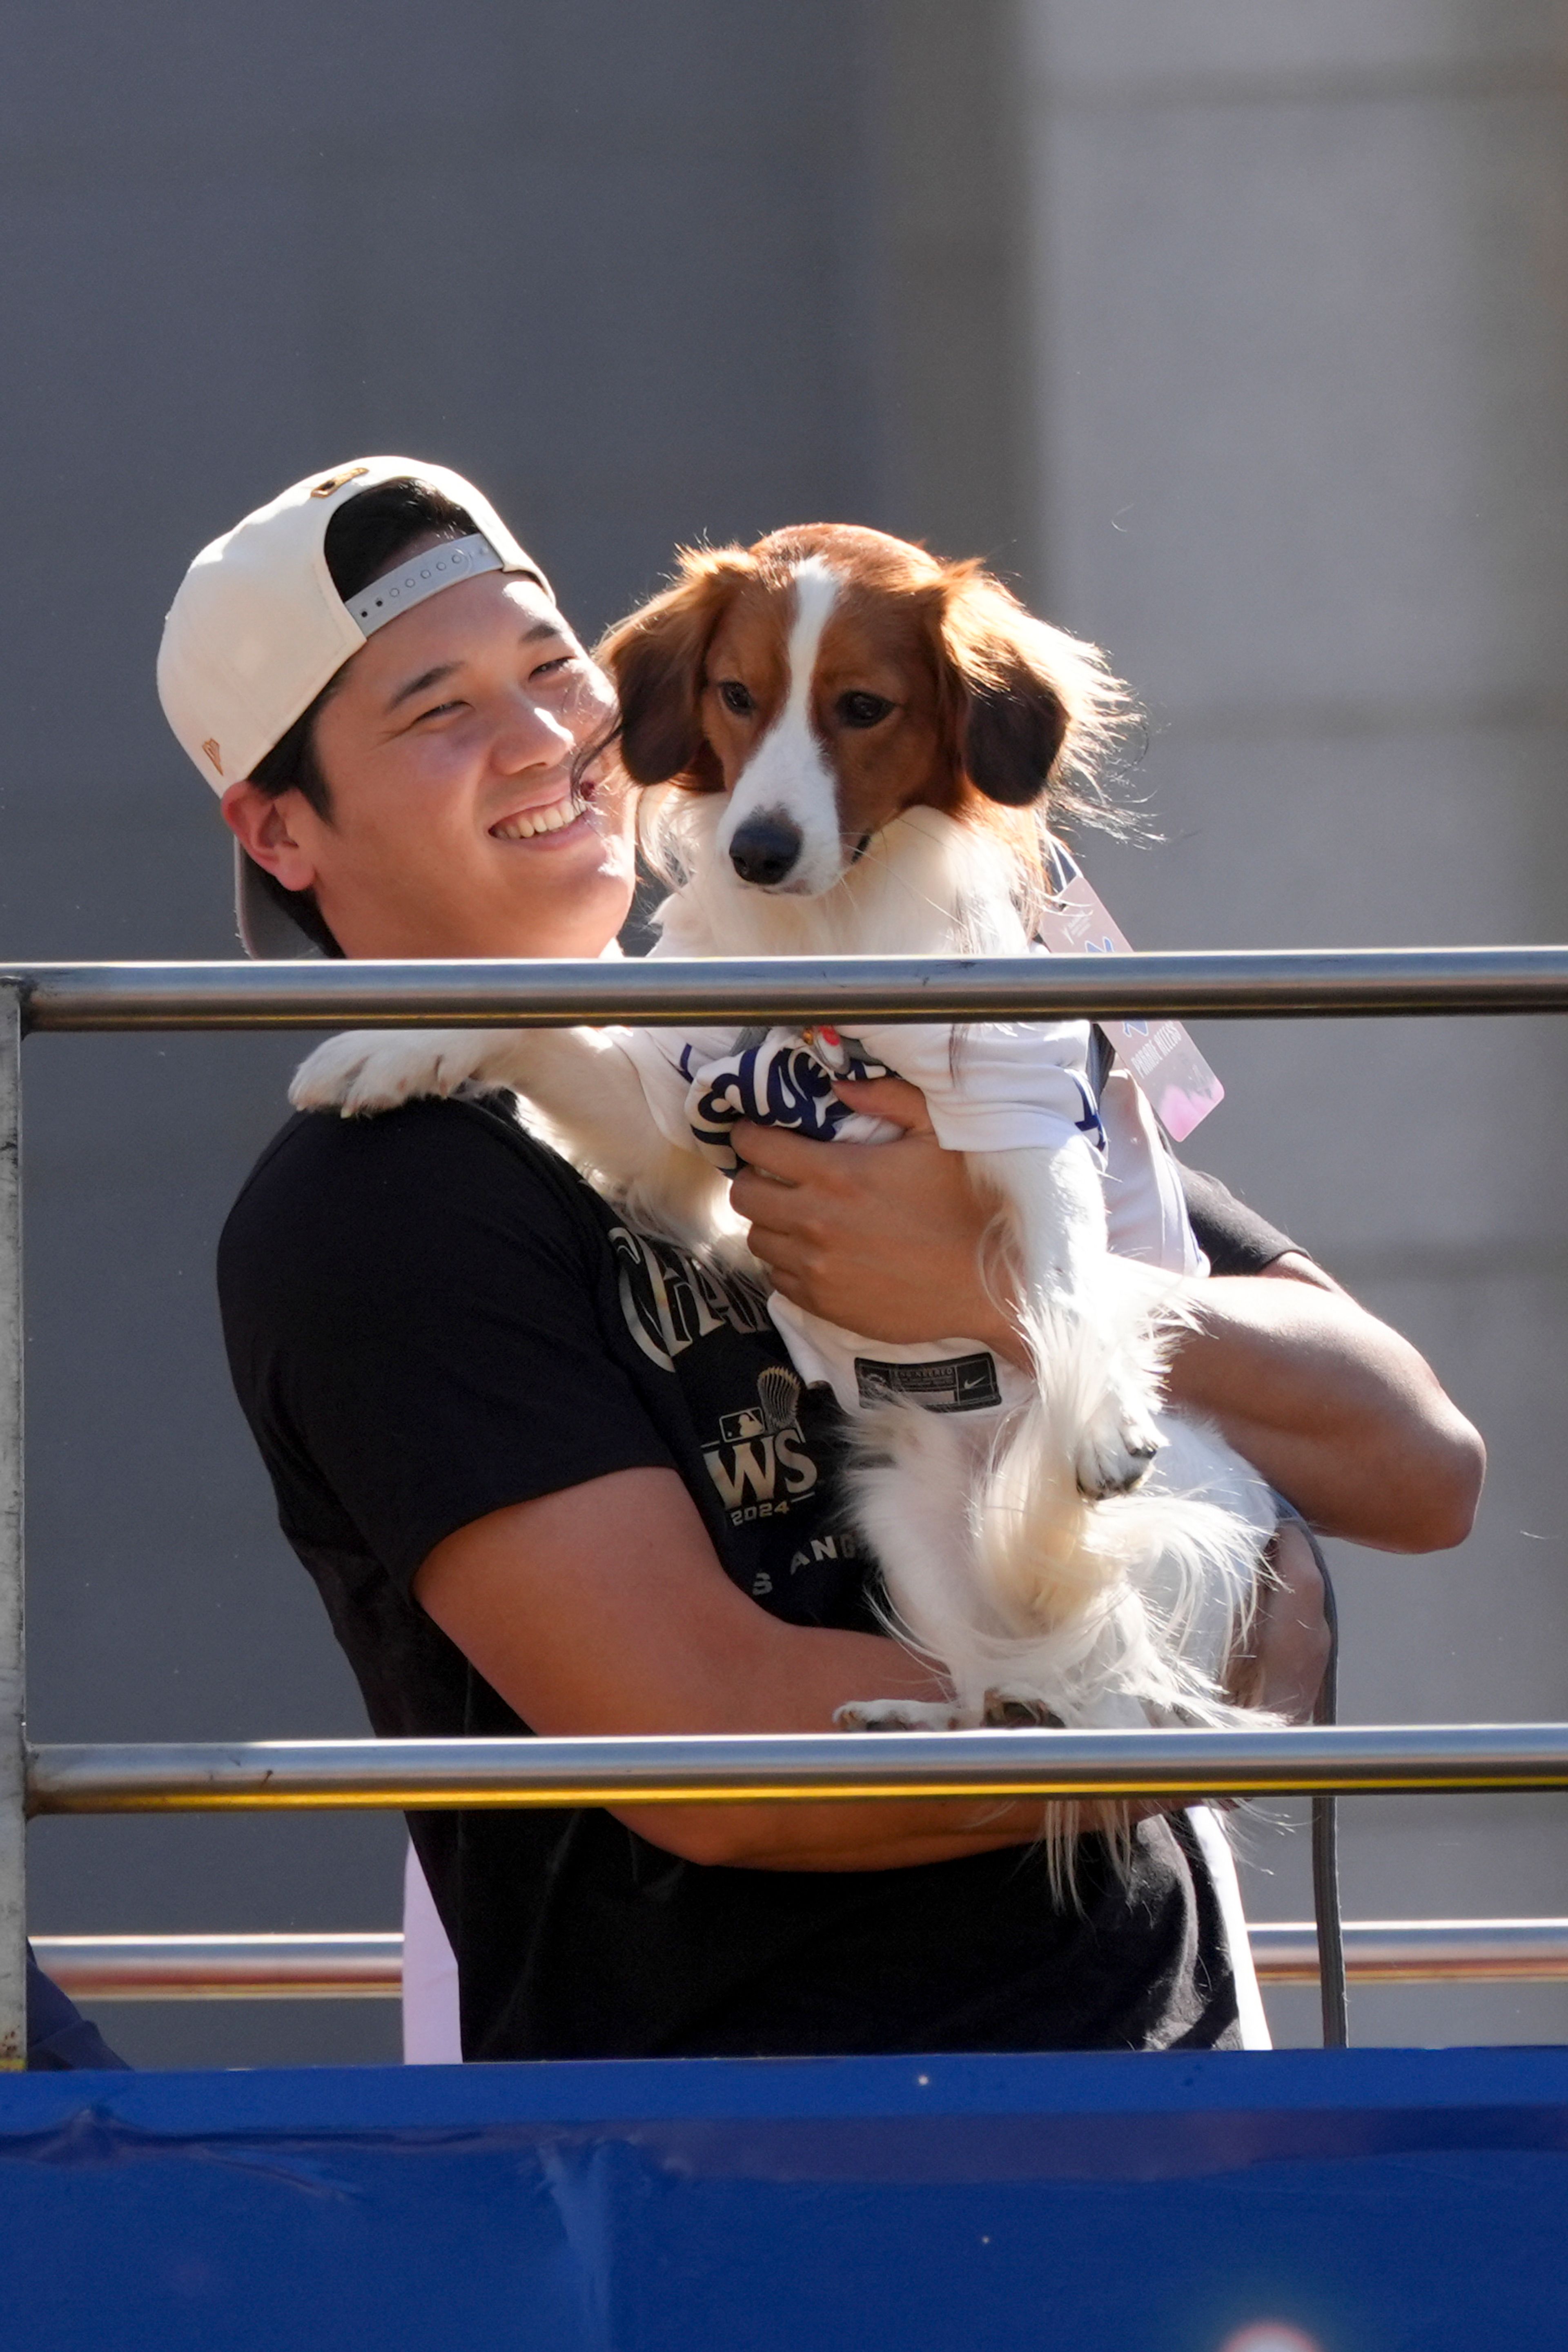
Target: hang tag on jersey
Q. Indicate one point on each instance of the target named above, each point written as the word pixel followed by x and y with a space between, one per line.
pixel 1180 1087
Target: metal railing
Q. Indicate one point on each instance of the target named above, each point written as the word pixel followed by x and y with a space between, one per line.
pixel 1295 983
pixel 797 1767
pixel 368 1965
pixel 1304 984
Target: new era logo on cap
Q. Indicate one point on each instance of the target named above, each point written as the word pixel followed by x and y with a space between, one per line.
pixel 335 481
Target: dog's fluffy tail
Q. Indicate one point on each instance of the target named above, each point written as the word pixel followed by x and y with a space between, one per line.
pixel 1125 1605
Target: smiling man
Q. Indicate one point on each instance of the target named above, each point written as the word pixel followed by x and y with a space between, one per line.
pixel 420 847
pixel 536 1462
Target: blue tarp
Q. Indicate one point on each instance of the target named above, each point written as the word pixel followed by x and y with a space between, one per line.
pixel 1376 2201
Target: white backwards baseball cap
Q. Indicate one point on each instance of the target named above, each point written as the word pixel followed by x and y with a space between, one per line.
pixel 258 629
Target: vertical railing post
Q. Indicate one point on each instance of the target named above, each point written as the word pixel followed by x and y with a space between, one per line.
pixel 12 1689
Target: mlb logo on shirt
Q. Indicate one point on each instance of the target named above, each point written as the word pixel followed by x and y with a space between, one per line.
pixel 735 1428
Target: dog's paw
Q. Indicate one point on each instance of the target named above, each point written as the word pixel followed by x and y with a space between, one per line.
pixel 368 1070
pixel 1116 1449
pixel 1010 1707
pixel 902 1715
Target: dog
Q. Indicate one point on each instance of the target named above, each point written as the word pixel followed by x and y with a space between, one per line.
pixel 850 747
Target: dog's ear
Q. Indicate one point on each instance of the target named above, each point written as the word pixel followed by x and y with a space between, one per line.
pixel 1031 708
pixel 1011 738
pixel 655 660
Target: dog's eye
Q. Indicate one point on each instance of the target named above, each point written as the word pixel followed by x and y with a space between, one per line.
pixel 736 698
pixel 860 710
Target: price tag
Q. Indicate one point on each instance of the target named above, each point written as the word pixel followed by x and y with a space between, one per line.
pixel 1180 1087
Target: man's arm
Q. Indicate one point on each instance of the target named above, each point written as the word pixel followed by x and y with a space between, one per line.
pixel 1333 1407
pixel 603 1610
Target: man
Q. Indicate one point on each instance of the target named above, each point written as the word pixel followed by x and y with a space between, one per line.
pixel 534 1459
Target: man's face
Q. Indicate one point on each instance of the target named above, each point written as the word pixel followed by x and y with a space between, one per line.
pixel 447 752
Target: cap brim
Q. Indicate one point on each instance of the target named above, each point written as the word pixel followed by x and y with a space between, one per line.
pixel 265 930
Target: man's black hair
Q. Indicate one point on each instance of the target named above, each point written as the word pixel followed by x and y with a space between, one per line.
pixel 365 538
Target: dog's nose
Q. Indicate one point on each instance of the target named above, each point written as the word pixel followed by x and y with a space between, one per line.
pixel 766 847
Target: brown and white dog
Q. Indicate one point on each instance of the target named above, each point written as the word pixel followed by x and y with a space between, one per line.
pixel 859 747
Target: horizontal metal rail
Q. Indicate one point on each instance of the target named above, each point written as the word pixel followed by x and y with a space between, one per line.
pixel 1297 984
pixel 224 1968
pixel 796 1767
pixel 1418 1951
pixel 369 1966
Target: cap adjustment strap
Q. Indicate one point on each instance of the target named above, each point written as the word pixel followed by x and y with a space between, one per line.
pixel 439 567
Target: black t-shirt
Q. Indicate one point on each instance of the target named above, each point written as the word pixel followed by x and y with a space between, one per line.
pixel 1234 1238
pixel 429 1317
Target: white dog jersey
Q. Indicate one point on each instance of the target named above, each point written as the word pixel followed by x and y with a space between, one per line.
pixel 995 1087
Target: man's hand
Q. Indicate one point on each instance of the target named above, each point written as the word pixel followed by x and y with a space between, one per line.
pixel 889 1239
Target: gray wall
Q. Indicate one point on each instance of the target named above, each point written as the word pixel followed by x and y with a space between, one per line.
pixel 1298 288
pixel 632 269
